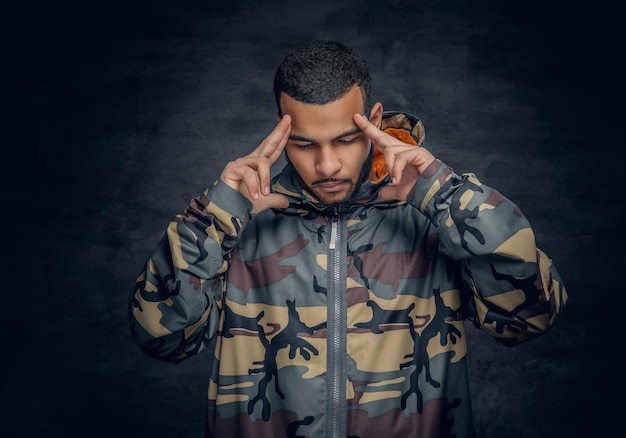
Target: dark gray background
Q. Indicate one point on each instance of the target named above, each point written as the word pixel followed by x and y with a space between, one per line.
pixel 116 113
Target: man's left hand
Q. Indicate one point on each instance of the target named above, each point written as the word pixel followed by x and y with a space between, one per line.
pixel 405 162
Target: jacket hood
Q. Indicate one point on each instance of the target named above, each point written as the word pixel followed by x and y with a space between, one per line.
pixel 404 126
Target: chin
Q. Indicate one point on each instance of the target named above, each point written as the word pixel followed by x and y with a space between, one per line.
pixel 335 199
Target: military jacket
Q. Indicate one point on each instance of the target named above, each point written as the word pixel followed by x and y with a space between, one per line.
pixel 350 322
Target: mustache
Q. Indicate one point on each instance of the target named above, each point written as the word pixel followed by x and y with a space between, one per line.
pixel 327 180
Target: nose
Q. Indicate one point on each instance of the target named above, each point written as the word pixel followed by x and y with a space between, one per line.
pixel 328 162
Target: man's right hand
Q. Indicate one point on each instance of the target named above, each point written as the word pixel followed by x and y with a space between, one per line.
pixel 250 175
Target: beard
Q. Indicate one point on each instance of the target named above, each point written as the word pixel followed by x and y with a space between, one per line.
pixel 354 185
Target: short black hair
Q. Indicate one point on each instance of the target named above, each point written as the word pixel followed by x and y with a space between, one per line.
pixel 321 72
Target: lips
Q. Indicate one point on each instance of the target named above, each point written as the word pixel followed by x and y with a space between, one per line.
pixel 331 186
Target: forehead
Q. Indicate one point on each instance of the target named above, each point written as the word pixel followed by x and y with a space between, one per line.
pixel 331 118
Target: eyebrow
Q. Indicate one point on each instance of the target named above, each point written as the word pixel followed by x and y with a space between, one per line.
pixel 340 136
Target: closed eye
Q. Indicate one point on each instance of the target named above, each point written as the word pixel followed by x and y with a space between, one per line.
pixel 304 146
pixel 347 140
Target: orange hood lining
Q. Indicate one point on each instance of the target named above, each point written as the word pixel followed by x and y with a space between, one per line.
pixel 379 167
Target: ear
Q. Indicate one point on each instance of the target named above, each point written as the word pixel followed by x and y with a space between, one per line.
pixel 376 114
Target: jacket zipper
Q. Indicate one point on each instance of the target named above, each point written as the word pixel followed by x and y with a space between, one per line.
pixel 336 333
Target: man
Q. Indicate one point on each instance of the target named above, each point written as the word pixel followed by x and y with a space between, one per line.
pixel 338 290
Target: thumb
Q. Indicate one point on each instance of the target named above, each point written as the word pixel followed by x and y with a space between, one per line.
pixel 394 192
pixel 387 193
pixel 276 200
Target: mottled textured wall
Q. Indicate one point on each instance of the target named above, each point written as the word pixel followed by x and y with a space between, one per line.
pixel 116 114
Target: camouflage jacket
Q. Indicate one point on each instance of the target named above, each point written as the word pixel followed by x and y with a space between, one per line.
pixel 345 323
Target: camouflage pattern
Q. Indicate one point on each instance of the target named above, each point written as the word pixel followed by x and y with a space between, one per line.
pixel 350 323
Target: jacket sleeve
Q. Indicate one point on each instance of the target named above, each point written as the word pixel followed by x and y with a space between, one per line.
pixel 174 308
pixel 512 289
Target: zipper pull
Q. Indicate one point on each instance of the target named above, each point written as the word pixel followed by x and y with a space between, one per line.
pixel 333 232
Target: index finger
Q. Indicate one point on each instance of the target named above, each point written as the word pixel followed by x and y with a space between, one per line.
pixel 379 138
pixel 275 142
